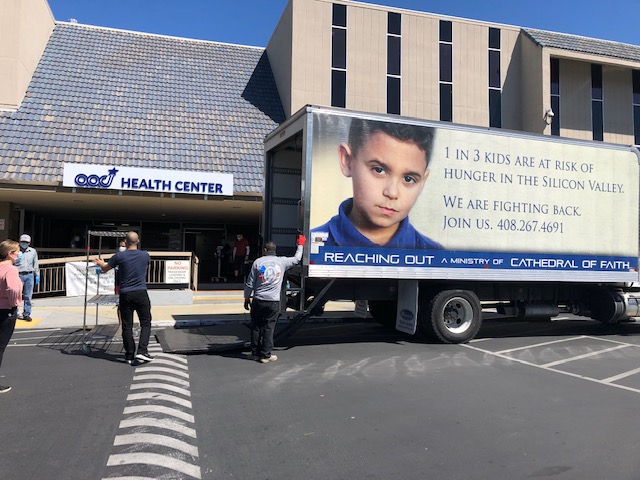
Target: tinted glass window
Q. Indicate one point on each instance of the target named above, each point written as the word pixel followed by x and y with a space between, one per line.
pixel 555 77
pixel 339 48
pixel 636 124
pixel 596 82
pixel 445 31
pixel 446 102
pixel 494 68
pixel 494 38
pixel 597 120
pixel 446 68
pixel 338 88
pixel 555 122
pixel 393 55
pixel 495 108
pixel 394 23
pixel 393 95
pixel 339 15
pixel 636 86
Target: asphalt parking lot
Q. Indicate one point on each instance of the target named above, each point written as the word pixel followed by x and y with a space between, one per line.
pixel 346 400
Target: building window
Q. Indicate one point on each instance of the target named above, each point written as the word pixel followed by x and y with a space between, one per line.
pixel 394 40
pixel 339 56
pixel 446 71
pixel 636 106
pixel 555 96
pixel 495 79
pixel 597 102
pixel 339 18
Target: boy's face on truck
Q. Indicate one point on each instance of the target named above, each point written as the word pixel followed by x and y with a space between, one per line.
pixel 388 176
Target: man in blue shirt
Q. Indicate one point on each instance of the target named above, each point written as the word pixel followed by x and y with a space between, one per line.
pixel 388 165
pixel 133 297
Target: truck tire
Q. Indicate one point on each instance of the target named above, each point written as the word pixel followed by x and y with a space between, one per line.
pixel 451 316
pixel 384 312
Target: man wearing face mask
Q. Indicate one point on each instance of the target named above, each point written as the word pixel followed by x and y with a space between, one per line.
pixel 29 271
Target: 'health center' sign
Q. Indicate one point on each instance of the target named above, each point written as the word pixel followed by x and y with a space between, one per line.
pixel 146 179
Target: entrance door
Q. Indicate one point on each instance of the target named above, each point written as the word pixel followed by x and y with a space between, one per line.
pixel 204 243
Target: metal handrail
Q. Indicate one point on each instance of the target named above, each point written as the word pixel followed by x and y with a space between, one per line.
pixel 52 270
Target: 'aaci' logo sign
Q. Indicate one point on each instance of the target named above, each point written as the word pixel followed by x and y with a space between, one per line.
pixel 147 179
pixel 104 181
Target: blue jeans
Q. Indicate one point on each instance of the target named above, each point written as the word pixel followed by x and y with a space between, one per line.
pixel 27 292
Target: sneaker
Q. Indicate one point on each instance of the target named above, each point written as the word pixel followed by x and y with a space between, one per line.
pixel 144 357
pixel 272 358
pixel 26 318
pixel 4 389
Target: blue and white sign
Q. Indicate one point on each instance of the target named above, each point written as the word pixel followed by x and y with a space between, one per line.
pixel 114 177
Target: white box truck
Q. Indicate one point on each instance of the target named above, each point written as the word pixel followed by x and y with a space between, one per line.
pixel 431 222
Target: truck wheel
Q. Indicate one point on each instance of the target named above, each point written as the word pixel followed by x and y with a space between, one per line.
pixel 384 312
pixel 452 316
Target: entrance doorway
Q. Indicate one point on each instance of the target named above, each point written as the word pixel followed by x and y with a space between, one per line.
pixel 204 244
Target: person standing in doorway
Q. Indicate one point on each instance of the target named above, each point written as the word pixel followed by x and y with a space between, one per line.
pixel 240 256
pixel 29 271
pixel 10 295
pixel 132 267
pixel 265 282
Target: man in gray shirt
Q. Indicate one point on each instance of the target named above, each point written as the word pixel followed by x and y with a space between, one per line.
pixel 27 265
pixel 265 282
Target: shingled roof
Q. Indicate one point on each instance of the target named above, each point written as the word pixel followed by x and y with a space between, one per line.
pixel 592 46
pixel 107 96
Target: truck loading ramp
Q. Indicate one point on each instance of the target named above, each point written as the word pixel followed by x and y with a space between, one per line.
pixel 224 337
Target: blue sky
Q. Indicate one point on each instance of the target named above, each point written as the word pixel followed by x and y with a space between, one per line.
pixel 251 22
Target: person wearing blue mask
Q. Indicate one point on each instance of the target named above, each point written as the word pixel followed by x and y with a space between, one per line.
pixel 29 271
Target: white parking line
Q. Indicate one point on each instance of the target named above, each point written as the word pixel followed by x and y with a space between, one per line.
pixel 585 355
pixel 543 344
pixel 555 370
pixel 615 378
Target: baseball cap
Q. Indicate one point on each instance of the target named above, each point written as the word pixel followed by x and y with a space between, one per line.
pixel 25 238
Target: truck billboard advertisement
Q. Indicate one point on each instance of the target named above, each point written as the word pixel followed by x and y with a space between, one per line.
pixel 408 199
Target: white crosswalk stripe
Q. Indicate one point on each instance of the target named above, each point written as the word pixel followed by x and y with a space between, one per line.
pixel 156 437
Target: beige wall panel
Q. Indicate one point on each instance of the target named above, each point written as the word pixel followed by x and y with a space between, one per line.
pixel 8 68
pixel 420 67
pixel 534 66
pixel 36 25
pixel 25 27
pixel 470 73
pixel 511 73
pixel 366 59
pixel 575 100
pixel 311 82
pixel 9 28
pixel 280 54
pixel 618 99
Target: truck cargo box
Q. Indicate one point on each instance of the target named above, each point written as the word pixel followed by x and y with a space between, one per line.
pixel 391 198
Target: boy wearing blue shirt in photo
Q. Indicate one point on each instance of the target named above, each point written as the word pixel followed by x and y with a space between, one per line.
pixel 388 165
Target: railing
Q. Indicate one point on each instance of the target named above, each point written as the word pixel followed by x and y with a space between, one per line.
pixel 52 270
